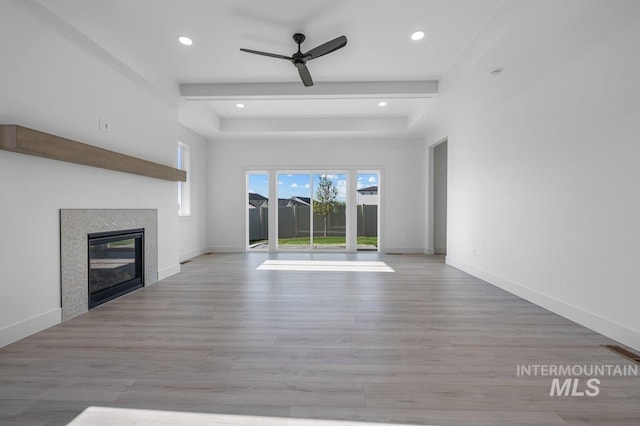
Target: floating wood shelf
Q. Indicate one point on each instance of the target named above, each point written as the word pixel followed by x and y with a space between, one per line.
pixel 28 141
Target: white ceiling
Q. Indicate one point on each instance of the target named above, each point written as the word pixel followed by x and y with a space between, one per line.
pixel 142 34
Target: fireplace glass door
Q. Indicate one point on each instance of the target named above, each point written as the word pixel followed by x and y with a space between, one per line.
pixel 115 264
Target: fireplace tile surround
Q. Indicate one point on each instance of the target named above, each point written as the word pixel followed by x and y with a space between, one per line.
pixel 75 226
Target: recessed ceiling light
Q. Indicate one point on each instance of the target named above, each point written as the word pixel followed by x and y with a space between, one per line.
pixel 382 104
pixel 240 105
pixel 418 35
pixel 185 40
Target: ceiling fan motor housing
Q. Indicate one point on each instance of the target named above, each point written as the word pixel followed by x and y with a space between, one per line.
pixel 300 59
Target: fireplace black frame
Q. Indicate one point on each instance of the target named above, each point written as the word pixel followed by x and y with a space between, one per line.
pixel 110 293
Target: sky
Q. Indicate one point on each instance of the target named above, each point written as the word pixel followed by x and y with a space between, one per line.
pixel 292 185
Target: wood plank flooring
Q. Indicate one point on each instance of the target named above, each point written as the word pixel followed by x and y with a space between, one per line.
pixel 425 345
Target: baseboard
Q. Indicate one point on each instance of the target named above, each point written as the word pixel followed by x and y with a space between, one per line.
pixel 226 249
pixel 403 250
pixel 20 330
pixel 193 253
pixel 607 327
pixel 167 272
pixel 429 252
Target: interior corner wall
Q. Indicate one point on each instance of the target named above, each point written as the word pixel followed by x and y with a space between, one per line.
pixel 544 176
pixel 401 160
pixel 50 84
pixel 193 228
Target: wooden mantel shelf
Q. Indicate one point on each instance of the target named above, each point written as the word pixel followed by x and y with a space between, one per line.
pixel 28 141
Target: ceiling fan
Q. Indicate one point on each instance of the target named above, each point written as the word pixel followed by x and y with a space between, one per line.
pixel 299 59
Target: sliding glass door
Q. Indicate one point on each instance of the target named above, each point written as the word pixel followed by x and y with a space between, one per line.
pixel 329 204
pixel 294 211
pixel 312 210
pixel 367 202
pixel 258 211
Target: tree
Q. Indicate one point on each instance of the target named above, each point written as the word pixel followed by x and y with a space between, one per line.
pixel 326 195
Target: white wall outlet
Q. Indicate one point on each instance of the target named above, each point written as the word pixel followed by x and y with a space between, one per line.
pixel 103 125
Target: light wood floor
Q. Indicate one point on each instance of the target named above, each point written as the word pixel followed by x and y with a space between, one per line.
pixel 427 344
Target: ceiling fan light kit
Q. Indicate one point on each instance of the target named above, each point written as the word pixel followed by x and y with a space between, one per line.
pixel 299 59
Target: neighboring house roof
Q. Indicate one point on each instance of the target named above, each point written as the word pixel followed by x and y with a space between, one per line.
pixel 254 196
pixel 369 189
pixel 257 200
pixel 306 201
pixel 294 201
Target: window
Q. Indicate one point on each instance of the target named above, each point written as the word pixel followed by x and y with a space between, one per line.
pixel 184 193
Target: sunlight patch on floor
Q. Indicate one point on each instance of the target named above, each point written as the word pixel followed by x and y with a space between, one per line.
pixel 108 416
pixel 325 266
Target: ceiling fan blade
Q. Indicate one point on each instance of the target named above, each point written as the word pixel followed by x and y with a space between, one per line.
pixel 304 73
pixel 272 55
pixel 325 48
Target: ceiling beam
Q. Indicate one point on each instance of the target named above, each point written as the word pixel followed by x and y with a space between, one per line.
pixel 311 125
pixel 335 90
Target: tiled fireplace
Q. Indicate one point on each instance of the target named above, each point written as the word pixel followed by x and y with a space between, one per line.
pixel 105 254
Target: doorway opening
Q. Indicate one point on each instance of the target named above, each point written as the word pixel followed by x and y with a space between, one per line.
pixel 439 155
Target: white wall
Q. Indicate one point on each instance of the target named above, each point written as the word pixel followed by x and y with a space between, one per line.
pixel 193 228
pixel 402 162
pixel 48 83
pixel 543 161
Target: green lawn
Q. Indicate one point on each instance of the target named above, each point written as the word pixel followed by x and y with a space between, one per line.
pixel 371 241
